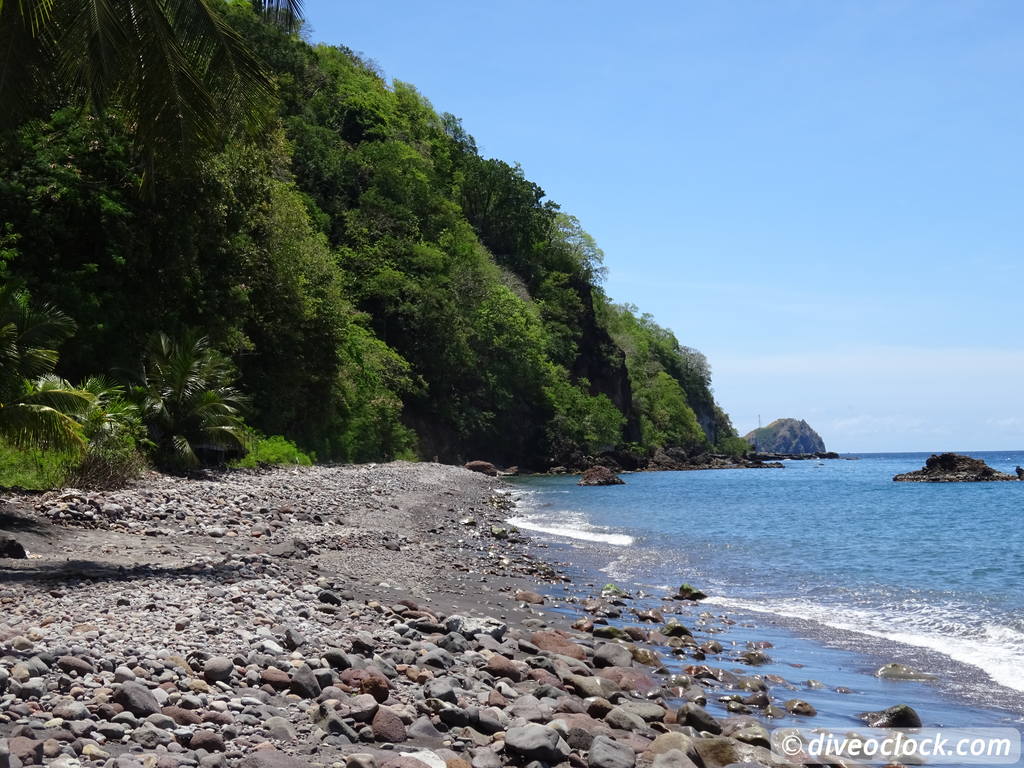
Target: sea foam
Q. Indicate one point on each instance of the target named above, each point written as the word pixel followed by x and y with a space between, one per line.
pixel 994 648
pixel 579 531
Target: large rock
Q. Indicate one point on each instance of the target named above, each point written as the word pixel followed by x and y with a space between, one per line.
pixel 953 468
pixel 556 642
pixel 786 436
pixel 12 549
pixel 600 476
pixel 899 716
pixel 387 726
pixel 137 699
pixel 218 668
pixel 697 717
pixel 469 626
pixel 605 752
pixel 483 467
pixel 537 742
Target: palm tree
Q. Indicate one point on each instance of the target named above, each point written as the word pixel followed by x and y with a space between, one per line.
pixel 188 402
pixel 173 65
pixel 36 408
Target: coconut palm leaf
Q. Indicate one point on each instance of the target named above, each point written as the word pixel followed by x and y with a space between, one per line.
pixel 187 400
pixel 35 425
pixel 183 74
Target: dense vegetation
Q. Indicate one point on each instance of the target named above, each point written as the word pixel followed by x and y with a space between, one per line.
pixel 322 253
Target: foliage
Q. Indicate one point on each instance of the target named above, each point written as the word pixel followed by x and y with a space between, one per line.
pixel 170 64
pixel 34 405
pixel 666 417
pixel 32 469
pixel 582 422
pixel 358 273
pixel 271 450
pixel 112 425
pixel 733 446
pixel 188 402
pixel 671 383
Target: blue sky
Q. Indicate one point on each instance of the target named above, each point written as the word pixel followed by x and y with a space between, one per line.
pixel 823 197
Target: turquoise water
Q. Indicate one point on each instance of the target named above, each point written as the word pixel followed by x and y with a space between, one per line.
pixel 837 562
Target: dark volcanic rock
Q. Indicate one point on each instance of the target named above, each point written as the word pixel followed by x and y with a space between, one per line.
pixel 899 716
pixel 786 436
pixel 600 476
pixel 953 468
pixel 12 549
pixel 137 699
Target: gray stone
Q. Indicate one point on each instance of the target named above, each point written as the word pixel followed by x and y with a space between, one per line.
pixel 218 668
pixel 646 710
pixel 75 664
pixel 537 742
pixel 304 683
pixel 605 752
pixel 620 718
pixel 696 716
pixel 441 688
pixel 612 655
pixel 71 710
pixel 470 627
pixel 279 728
pixel 150 737
pixel 137 699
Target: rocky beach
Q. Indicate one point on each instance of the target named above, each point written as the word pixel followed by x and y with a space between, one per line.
pixel 361 616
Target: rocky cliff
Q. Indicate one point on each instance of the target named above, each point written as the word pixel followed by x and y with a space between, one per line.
pixel 786 436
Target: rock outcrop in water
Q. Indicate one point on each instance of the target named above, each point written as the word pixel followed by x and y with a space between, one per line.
pixel 786 436
pixel 600 476
pixel 953 468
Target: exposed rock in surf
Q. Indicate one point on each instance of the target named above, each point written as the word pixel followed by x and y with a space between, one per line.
pixel 899 716
pixel 899 672
pixel 953 468
pixel 600 476
pixel 690 592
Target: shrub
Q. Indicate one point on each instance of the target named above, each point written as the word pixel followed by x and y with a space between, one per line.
pixel 272 450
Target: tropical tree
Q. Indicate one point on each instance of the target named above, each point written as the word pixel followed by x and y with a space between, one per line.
pixel 174 65
pixel 35 407
pixel 188 402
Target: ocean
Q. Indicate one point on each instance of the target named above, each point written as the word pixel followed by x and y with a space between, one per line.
pixel 838 566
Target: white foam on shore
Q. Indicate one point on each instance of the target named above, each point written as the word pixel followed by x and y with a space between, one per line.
pixel 581 532
pixel 995 649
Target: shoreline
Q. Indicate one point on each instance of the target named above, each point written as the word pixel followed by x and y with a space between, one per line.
pixel 967 687
pixel 296 617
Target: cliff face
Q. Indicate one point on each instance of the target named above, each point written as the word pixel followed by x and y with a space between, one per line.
pixel 786 436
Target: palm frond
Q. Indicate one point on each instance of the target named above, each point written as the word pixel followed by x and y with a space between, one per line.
pixel 35 425
pixel 285 13
pixel 54 392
